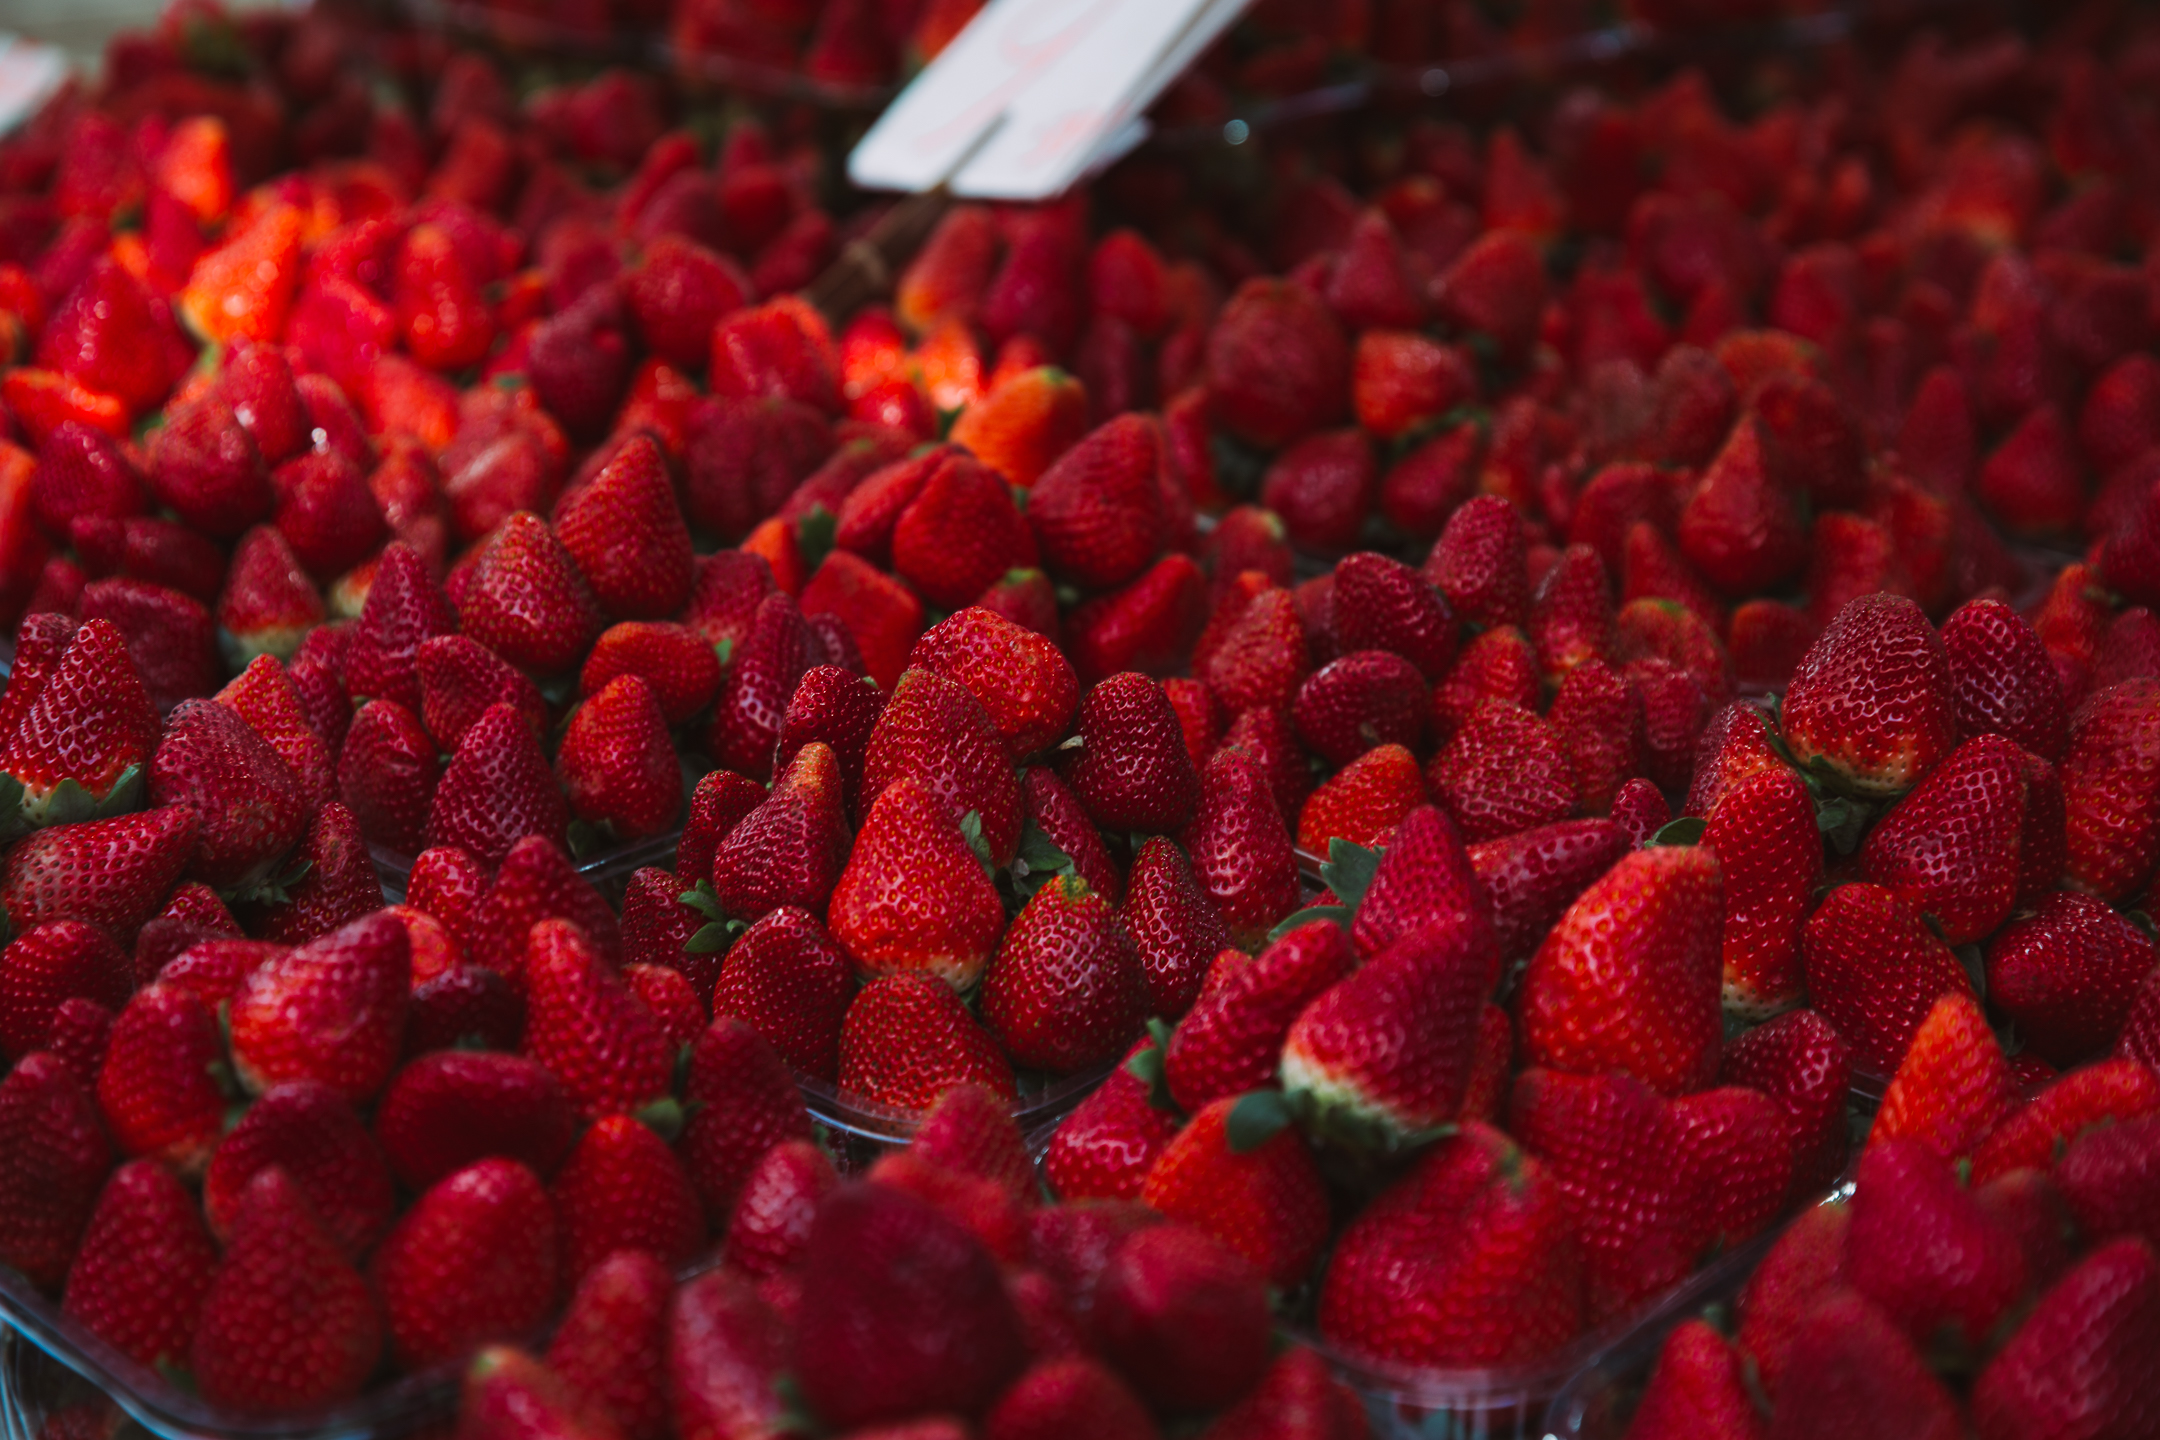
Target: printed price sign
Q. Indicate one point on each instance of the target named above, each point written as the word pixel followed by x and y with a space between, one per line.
pixel 1034 94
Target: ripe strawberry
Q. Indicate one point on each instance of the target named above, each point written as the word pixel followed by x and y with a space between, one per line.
pixel 1148 626
pixel 627 537
pixel 907 1039
pixel 1951 849
pixel 332 1010
pixel 1097 513
pixel 725 1350
pixel 1264 1202
pixel 171 639
pixel 326 512
pixel 1863 1377
pixel 459 678
pixel 312 1133
pixel 2106 1177
pixel 1365 698
pixel 1184 1317
pixel 80 1030
pixel 537 882
pixel 1173 924
pixel 508 1395
pixel 1873 700
pixel 1021 679
pixel 263 695
pixel 1364 801
pixel 252 807
pixel 2111 790
pixel 1496 665
pixel 742 1102
pixel 404 608
pixel 1023 423
pixel 2069 975
pixel 754 695
pixel 1069 1396
pixel 387 773
pixel 1506 770
pixel 1323 487
pixel 609 1351
pixel 789 850
pixel 1532 877
pixel 676 292
pixel 1740 527
pixel 1400 379
pixel 959 533
pixel 1232 1039
pixel 578 361
pixel 617 764
pixel 474 1260
pixel 1054 810
pixel 836 708
pixel 527 602
pixel 1874 971
pixel 1597 718
pixel 57 1158
pixel 88 732
pixel 2032 482
pixel 2096 1324
pixel 1105 1148
pixel 1624 981
pixel 46 966
pixel 1953 1086
pixel 1131 769
pixel 113 873
pixel 1266 735
pixel 1571 613
pixel 288 1323
pixel 1278 366
pixel 1240 849
pixel 1027 598
pixel 446 1110
pixel 2109 1092
pixel 936 732
pixel 1260 656
pixel 496 790
pixel 583 1024
pixel 1806 1067
pixel 139 1279
pixel 213 969
pixel 205 468
pixel 82 472
pixel 681 667
pixel 1762 830
pixel 100 335
pixel 1697 1388
pixel 623 1189
pixel 1066 988
pixel 1924 1249
pixel 1497 288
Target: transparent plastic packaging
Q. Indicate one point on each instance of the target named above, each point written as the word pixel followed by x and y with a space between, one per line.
pixel 858 1132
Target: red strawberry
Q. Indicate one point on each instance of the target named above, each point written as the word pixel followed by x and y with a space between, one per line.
pixel 780 349
pixel 1147 626
pixel 1953 1086
pixel 1873 700
pixel 676 292
pixel 1026 598
pixel 742 1102
pixel 139 1280
pixel 1277 365
pixel 935 732
pixel 1240 850
pixel 1697 1389
pixel 160 1088
pixel 1098 513
pixel 57 1158
pixel 101 336
pixel 460 678
pixel 2076 1365
pixel 1532 877
pixel 681 667
pixel 1806 1067
pixel 1763 831
pixel 1131 769
pixel 113 873
pixel 1421 491
pixel 2069 975
pixel 787 980
pixel 332 1011
pixel 910 863
pixel 1625 979
pixel 1571 614
pixel 263 696
pixel 326 513
pixel 1065 989
pixel 1232 1039
pixel 171 639
pixel 907 1039
pixel 288 1323
pixel 1598 720
pixel 789 850
pixel 2109 1092
pixel 1364 801
pixel 1740 528
pixel 1054 810
pixel 2107 1177
pixel 839 709
pixel 579 363
pixel 1923 1248
pixel 1105 1148
pixel 80 1031
pixel 725 1350
pixel 1504 771
pixel 1264 1202
pixel 1184 1317
pixel 404 608
pixel 1382 604
pixel 253 809
pixel 1022 680
pixel 959 533
pixel 496 790
pixel 1950 849
pixel 48 965
pixel 508 1395
pixel 474 1260
pixel 2111 790
pixel 1862 1378
pixel 446 1110
pixel 387 773
pixel 755 694
pixel 309 1131
pixel 205 468
pixel 83 473
pixel 610 1348
pixel 536 882
pixel 527 602
pixel 1478 564
pixel 1173 924
pixel 2032 483
pixel 617 764
pixel 89 726
pixel 623 1189
pixel 583 1024
pixel 1073 1396
pixel 627 536
pixel 1497 665
pixel 1497 287
pixel 1323 487
pixel 878 1342
pixel 1366 698
pixel 1874 971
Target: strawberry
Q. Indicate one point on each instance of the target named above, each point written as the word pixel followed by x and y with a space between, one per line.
pixel 743 457
pixel 742 1103
pixel 326 512
pixel 1034 293
pixel 100 335
pixel 1027 598
pixel 1598 720
pixel 907 1038
pixel 1504 771
pixel 959 533
pixel 171 639
pixel 789 850
pixel 2095 1324
pixel 1297 1392
pixel 681 667
pixel 536 882
pixel 617 765
pixel 1951 849
pixel 309 1131
pixel 2109 790
pixel 1863 1377
pixel 1105 1148
pixel 1131 770
pixel 473 1260
pixel 1399 379
pixel 405 608
pixel 1953 1086
pixel 1054 810
pixel 1231 1041
pixel 627 536
pixel 2032 483
pixel 205 468
pixel 430 1121
pixel 1496 665
pixel 1365 698
pixel 160 1088
pixel 780 349
pixel 1532 877
pixel 1184 1317
pixel 213 968
pixel 1762 830
pixel 578 361
pixel 331 1010
pixel 754 695
pixel 1148 626
pixel 1697 1388
pixel 1477 564
pixel 1021 679
pixel 676 292
pixel 82 476
pixel 1267 736
pixel 1423 490
pixel 113 873
pixel 1806 1067
pixel 1922 1247
pixel 1260 658
pixel 49 965
pixel 1364 801
pixel 1173 924
pixel 252 806
pixel 623 1189
pixel 263 695
pixel 1496 288
pixel 1873 700
pixel 878 1342
pixel 1642 937
pixel 1065 989
pixel 933 730
pixel 1070 1396
pixel 387 773
pixel 1097 513
pixel 1278 366
pixel 508 1395
pixel 583 1024
pixel 1382 604
pixel 447 884
pixel 1424 875
pixel 460 678
pixel 40 642
pixel 80 1031
pixel 2069 975
pixel 608 1351
pixel 288 1323
pixel 2106 1175
pixel 2111 1091
pixel 527 602
pixel 836 708
pixel 1323 487
pixel 57 1158
pixel 725 1350
pixel 1874 970
pixel 1571 613
pixel 87 734
pixel 1261 1198
pixel 139 1279
pixel 496 790
pixel 1240 850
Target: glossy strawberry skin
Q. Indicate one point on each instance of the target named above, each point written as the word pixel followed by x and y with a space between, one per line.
pixel 139 1280
pixel 1873 970
pixel 787 979
pixel 1951 850
pixel 907 1038
pixel 1131 769
pixel 56 1162
pixel 474 1260
pixel 2069 974
pixel 1874 699
pixel 2002 679
pixel 1021 678
pixel 1763 832
pixel 1240 848
pixel 2111 776
pixel 1065 989
pixel 1265 1204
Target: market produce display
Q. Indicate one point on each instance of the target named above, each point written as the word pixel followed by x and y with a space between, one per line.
pixel 1465 717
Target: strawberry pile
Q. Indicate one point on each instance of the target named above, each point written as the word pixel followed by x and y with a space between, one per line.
pixel 1251 647
pixel 1992 1273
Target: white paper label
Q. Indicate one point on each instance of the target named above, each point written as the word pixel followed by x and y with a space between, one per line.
pixel 29 74
pixel 1033 94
